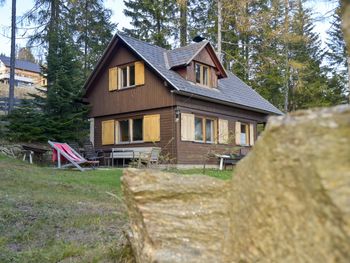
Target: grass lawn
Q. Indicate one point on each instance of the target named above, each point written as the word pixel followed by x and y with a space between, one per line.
pixel 48 215
pixel 225 174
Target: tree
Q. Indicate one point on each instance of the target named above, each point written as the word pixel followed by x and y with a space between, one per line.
pixel 183 21
pixel 338 55
pixel 152 21
pixel 25 53
pixel 60 113
pixel 92 30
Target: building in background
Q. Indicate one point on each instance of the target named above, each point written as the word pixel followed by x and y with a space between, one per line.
pixel 26 73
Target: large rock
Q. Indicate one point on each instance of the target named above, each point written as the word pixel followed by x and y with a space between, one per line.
pixel 291 195
pixel 289 200
pixel 176 218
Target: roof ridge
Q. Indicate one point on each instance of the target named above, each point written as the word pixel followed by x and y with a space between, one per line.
pixel 204 42
pixel 139 40
pixel 17 59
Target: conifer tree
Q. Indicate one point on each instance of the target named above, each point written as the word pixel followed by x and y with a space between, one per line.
pixel 60 115
pixel 152 21
pixel 92 30
pixel 337 54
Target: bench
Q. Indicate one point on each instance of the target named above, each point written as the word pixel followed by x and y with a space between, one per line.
pixel 130 153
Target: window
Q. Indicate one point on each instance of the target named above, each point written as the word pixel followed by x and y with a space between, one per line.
pixel 137 130
pixel 124 131
pixel 244 134
pixel 131 130
pixel 198 130
pixel 202 74
pixel 209 130
pixel 132 75
pixel 127 76
pixel 203 130
pixel 198 73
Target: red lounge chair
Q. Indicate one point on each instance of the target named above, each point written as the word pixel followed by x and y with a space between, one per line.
pixel 62 152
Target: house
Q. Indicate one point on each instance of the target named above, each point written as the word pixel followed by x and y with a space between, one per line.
pixel 26 72
pixel 182 100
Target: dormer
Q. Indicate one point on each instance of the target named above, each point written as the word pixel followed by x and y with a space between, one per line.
pixel 197 63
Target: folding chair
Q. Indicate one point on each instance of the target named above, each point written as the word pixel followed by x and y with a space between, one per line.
pixel 63 152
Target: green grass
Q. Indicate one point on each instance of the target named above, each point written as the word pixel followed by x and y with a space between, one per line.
pixel 48 215
pixel 225 174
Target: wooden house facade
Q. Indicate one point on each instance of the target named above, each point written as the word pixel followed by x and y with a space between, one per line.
pixel 181 100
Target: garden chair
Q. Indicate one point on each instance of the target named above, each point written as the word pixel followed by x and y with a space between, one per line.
pixel 62 152
pixel 90 153
pixel 151 158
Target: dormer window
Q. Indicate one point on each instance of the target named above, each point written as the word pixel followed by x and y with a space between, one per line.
pixel 127 76
pixel 202 74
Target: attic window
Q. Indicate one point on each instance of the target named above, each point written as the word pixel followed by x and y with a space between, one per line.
pixel 202 74
pixel 127 76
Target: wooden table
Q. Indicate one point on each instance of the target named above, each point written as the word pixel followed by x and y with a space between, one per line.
pixel 31 150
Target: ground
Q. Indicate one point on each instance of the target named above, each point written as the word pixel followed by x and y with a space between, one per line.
pixel 48 215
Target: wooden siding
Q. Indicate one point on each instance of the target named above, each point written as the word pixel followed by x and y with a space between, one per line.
pixel 204 57
pixel 167 131
pixel 195 152
pixel 149 96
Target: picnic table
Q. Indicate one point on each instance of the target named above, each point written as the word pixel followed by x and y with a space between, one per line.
pixel 222 157
pixel 31 150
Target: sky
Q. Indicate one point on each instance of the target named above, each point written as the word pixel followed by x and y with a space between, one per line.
pixel 321 9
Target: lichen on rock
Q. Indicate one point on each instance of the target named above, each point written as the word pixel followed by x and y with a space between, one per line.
pixel 288 201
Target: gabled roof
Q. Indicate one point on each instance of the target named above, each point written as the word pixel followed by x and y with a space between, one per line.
pixel 184 55
pixel 230 90
pixel 21 64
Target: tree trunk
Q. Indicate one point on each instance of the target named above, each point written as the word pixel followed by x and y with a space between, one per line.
pixel 86 39
pixel 220 30
pixel 183 23
pixel 349 78
pixel 286 77
pixel 13 58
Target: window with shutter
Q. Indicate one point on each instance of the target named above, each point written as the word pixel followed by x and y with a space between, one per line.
pixel 108 132
pixel 151 128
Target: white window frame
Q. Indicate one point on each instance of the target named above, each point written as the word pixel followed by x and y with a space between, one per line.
pixel 247 134
pixel 131 125
pixel 120 76
pixel 203 127
pixel 201 74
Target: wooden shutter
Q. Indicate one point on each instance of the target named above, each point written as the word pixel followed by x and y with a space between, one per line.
pixel 187 127
pixel 116 132
pixel 223 131
pixel 113 79
pixel 108 132
pixel 151 128
pixel 238 133
pixel 251 134
pixel 139 73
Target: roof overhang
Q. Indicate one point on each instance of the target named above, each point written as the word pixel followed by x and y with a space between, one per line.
pixel 188 94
